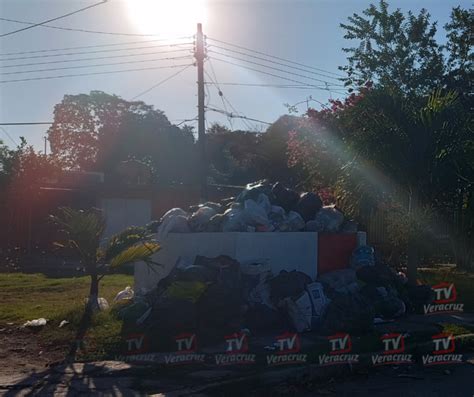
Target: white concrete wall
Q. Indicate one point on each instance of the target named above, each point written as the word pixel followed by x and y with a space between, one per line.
pixel 282 251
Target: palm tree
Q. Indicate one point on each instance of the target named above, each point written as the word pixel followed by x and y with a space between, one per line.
pixel 83 233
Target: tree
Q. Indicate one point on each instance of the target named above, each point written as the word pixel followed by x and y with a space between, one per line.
pixel 83 233
pixel 96 132
pixel 394 50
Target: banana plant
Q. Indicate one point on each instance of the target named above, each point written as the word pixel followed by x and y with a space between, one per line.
pixel 82 232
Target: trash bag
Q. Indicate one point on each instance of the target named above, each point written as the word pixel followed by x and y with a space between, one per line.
pixel 384 301
pixel 198 273
pixel 173 224
pixel 363 256
pixel 125 294
pixel 299 311
pixel 278 218
pixel 171 316
pixel 226 268
pixel 172 213
pixel 185 290
pixel 308 205
pixel 252 191
pixel 39 322
pixel 295 222
pixel 349 226
pixel 262 317
pixel 199 220
pixel 288 284
pixel 236 220
pixel 215 206
pixel 418 296
pixel 285 198
pixel 216 223
pixel 132 312
pixel 328 219
pixel 351 313
pixel 255 215
pixel 340 281
pixel 103 304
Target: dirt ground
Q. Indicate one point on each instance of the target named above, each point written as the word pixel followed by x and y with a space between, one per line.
pixel 21 351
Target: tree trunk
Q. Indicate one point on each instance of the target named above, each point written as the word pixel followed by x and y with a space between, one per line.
pixel 413 254
pixel 93 302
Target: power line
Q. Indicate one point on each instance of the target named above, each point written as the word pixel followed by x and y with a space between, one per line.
pixel 161 82
pixel 275 57
pixel 93 46
pixel 80 30
pixel 274 75
pixel 271 67
pixel 185 121
pixel 90 74
pixel 224 99
pixel 276 63
pixel 9 136
pixel 53 19
pixel 95 52
pixel 97 65
pixel 306 87
pixel 232 115
pixel 90 59
pixel 219 91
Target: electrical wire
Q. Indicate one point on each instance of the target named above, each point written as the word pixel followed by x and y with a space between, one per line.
pixel 94 52
pixel 93 46
pixel 272 85
pixel 219 91
pixel 53 19
pixel 161 82
pixel 97 65
pixel 274 57
pixel 89 59
pixel 90 74
pixel 274 75
pixel 271 67
pixel 232 115
pixel 186 120
pixel 9 136
pixel 277 63
pixel 30 123
pixel 80 30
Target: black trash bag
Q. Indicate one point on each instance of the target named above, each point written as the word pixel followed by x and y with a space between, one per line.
pixel 227 269
pixel 418 296
pixel 198 273
pixel 261 317
pixel 220 312
pixel 284 197
pixel 351 313
pixel 288 284
pixel 252 191
pixel 385 302
pixel 308 205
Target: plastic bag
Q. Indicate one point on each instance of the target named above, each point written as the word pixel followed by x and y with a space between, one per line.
pixel 295 222
pixel 103 304
pixel 185 290
pixel 308 205
pixel 363 256
pixel 173 224
pixel 200 218
pixel 264 202
pixel 235 221
pixel 125 294
pixel 39 322
pixel 328 219
pixel 172 213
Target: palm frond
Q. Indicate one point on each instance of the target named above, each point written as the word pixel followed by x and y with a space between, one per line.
pixel 135 253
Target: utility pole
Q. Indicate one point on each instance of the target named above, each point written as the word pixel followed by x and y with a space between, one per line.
pixel 199 55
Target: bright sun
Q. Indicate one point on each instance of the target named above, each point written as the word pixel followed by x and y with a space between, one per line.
pixel 167 18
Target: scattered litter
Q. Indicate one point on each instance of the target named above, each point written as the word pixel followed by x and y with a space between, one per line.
pixel 125 294
pixel 39 322
pixel 103 304
pixel 63 323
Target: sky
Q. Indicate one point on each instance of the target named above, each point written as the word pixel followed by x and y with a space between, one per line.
pixel 303 31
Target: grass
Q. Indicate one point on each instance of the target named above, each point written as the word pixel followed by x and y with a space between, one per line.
pixel 464 283
pixel 29 296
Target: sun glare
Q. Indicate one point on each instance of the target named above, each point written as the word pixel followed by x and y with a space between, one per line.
pixel 167 18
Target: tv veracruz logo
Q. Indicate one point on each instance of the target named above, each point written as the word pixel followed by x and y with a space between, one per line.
pixel 340 351
pixel 445 300
pixel 443 352
pixel 186 352
pixel 136 349
pixel 288 350
pixel 394 351
pixel 236 351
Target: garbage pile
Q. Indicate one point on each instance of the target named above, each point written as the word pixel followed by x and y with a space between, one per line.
pixel 214 297
pixel 260 207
